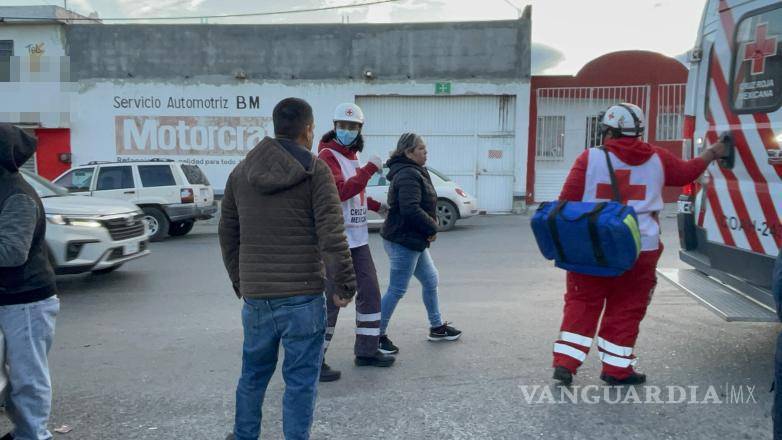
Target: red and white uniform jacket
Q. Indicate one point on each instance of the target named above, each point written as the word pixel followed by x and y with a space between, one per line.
pixel 642 170
pixel 351 180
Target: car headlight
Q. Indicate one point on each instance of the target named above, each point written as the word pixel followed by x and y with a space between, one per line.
pixel 56 219
pixel 59 219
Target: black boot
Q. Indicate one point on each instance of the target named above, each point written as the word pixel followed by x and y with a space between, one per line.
pixel 563 375
pixel 633 379
pixel 327 374
pixel 378 359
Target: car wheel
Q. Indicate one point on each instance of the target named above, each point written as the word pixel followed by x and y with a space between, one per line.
pixel 447 214
pixel 178 229
pixel 106 270
pixel 157 223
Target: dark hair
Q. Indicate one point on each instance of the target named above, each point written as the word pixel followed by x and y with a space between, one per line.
pixel 331 135
pixel 407 142
pixel 291 117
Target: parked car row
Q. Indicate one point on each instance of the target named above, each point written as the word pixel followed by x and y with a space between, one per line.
pixel 103 214
pixel 171 195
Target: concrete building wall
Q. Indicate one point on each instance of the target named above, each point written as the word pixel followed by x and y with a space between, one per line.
pixel 109 118
pixel 480 50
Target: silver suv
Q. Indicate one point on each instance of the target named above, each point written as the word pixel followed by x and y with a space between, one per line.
pixel 172 195
pixel 89 235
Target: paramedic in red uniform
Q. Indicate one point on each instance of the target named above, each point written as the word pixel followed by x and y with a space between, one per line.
pixel 339 148
pixel 642 170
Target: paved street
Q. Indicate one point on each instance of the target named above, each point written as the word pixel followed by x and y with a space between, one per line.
pixel 153 352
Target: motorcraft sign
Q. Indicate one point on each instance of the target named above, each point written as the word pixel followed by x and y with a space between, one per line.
pixel 188 135
pixel 191 130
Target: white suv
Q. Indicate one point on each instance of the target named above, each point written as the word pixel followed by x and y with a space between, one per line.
pixel 172 195
pixel 89 235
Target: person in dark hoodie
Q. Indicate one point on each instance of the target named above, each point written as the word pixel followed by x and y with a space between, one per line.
pixel 281 224
pixel 641 170
pixel 409 230
pixel 28 293
pixel 339 149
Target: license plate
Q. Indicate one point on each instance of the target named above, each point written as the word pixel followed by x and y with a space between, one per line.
pixel 131 249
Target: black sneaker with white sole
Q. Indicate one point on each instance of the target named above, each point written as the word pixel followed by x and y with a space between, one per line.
pixel 386 346
pixel 444 333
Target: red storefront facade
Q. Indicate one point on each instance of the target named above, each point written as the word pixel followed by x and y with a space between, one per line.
pixel 563 112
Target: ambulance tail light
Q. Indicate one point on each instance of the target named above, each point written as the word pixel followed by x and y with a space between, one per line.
pixel 688 133
pixel 690 190
pixel 187 195
pixel 688 130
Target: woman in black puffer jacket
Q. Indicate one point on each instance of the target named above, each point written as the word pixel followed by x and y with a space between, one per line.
pixel 409 230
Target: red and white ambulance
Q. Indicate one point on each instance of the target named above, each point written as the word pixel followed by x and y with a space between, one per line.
pixel 729 222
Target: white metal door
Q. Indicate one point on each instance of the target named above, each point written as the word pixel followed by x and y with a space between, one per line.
pixel 471 139
pixel 566 125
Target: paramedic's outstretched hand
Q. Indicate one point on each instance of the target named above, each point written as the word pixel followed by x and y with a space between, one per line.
pixel 383 211
pixel 378 162
pixel 339 302
pixel 432 238
pixel 715 152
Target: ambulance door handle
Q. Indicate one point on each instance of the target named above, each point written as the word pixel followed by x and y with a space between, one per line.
pixel 729 160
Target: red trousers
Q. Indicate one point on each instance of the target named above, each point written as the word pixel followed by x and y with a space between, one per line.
pixel 621 300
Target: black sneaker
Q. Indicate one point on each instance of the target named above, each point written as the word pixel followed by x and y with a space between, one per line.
pixel 444 333
pixel 377 360
pixel 8 436
pixel 329 375
pixel 387 347
pixel 633 379
pixel 563 375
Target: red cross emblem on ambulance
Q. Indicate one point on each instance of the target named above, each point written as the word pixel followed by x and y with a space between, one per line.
pixel 627 191
pixel 763 47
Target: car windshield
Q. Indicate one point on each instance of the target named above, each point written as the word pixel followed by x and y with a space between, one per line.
pixel 43 187
pixel 438 178
pixel 434 173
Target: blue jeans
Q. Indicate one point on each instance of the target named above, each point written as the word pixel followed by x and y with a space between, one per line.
pixel 29 332
pixel 406 263
pixel 299 323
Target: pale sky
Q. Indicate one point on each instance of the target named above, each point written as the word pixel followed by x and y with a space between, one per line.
pixel 566 34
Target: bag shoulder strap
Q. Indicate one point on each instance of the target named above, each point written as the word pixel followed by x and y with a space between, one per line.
pixel 614 185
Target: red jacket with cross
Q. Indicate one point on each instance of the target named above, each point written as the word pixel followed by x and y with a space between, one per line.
pixel 641 169
pixel 348 188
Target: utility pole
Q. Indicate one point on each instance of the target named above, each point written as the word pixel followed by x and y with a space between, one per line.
pixel 518 9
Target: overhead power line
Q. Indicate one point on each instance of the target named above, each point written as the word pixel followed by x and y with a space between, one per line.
pixel 203 17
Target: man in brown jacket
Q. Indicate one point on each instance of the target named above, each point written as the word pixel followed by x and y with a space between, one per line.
pixel 281 222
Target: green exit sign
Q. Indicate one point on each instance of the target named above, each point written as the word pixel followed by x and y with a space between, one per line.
pixel 442 88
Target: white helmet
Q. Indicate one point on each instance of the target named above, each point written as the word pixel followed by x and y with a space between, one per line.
pixel 626 118
pixel 349 112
